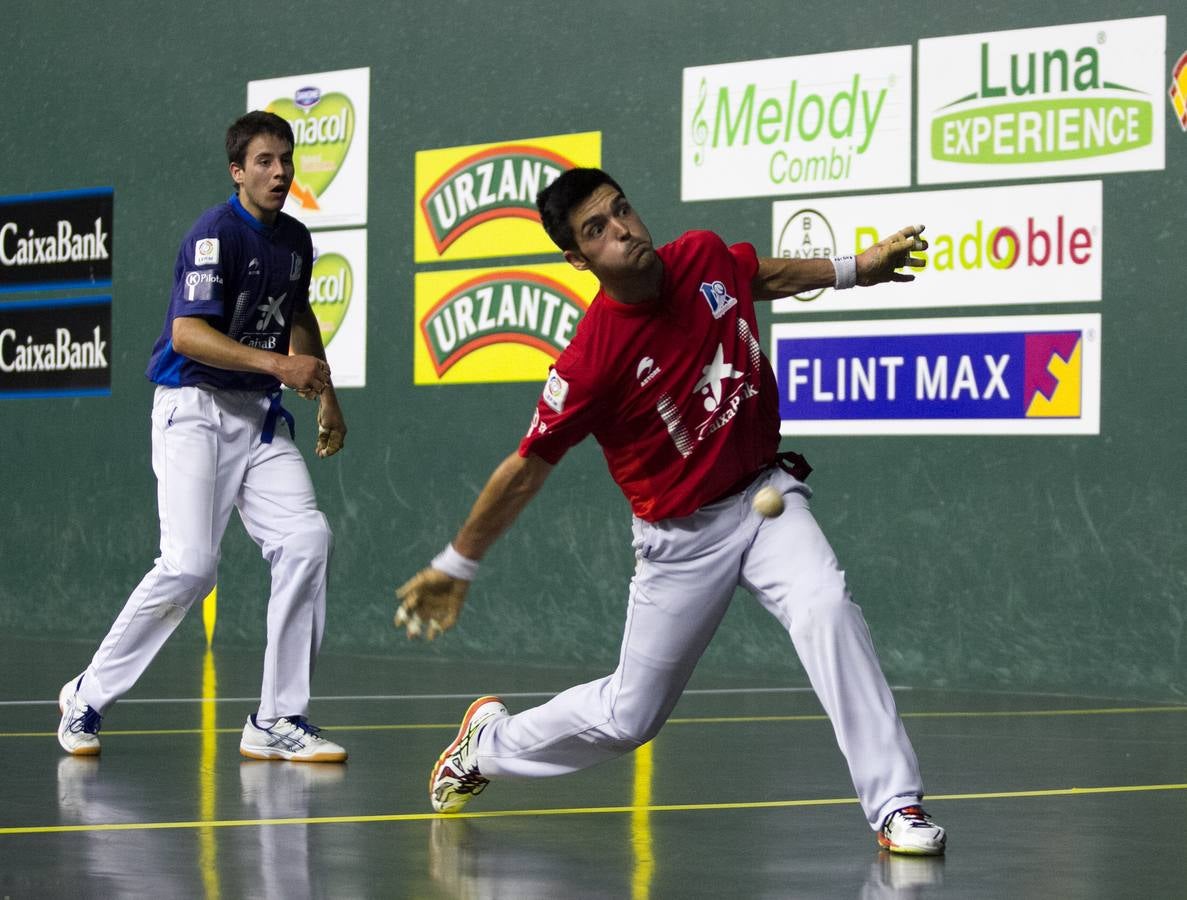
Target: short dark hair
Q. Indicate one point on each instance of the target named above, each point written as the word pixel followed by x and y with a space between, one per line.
pixel 257 122
pixel 560 198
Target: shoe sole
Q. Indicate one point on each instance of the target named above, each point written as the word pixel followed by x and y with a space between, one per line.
pixel 78 751
pixel 262 753
pixel 461 733
pixel 886 844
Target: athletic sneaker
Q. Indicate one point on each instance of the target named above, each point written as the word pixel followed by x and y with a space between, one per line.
pixel 455 778
pixel 78 731
pixel 291 737
pixel 911 830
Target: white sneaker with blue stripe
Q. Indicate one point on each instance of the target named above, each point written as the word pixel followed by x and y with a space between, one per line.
pixel 291 738
pixel 78 730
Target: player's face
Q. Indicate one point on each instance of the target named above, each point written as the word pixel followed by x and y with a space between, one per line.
pixel 265 176
pixel 612 241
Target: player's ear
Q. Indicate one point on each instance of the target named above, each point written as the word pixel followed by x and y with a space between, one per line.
pixel 576 260
pixel 236 173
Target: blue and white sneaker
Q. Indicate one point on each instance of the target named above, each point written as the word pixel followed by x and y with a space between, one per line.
pixel 78 730
pixel 291 738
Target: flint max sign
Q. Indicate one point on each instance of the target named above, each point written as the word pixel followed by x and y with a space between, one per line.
pixel 56 348
pixel 60 239
pixel 996 375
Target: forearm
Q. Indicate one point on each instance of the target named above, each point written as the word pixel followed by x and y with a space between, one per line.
pixel 785 277
pixel 197 339
pixel 306 335
pixel 510 488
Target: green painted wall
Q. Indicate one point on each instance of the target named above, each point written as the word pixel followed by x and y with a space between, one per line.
pixel 1040 563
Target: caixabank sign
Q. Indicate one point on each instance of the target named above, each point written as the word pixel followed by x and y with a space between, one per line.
pixel 55 348
pixel 1038 102
pixel 59 239
pixel 998 375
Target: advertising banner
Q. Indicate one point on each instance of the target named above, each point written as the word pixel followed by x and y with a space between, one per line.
pixel 56 348
pixel 59 239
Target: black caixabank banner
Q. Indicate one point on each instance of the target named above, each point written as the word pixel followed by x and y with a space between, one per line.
pixel 59 347
pixel 60 239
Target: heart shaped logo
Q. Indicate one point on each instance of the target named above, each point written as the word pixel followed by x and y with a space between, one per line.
pixel 323 133
pixel 329 292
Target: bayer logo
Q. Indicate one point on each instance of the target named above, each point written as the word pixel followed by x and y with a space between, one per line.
pixel 806 235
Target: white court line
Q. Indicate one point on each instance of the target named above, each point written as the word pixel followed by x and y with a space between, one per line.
pixel 470 695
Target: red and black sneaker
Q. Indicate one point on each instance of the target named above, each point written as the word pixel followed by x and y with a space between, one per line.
pixel 455 778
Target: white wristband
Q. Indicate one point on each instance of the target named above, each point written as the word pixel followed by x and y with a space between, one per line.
pixel 454 564
pixel 846 267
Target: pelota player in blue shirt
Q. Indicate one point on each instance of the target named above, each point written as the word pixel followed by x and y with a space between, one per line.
pixel 221 439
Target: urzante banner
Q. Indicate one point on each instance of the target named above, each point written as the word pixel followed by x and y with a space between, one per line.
pixel 479 201
pixel 797 125
pixel 999 375
pixel 338 297
pixel 58 239
pixel 496 325
pixel 56 348
pixel 329 113
pixel 1039 243
pixel 1038 102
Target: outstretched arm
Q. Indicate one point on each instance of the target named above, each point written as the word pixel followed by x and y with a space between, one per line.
pixel 875 265
pixel 435 596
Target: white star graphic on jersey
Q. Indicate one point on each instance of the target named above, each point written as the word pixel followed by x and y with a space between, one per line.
pixel 271 310
pixel 713 375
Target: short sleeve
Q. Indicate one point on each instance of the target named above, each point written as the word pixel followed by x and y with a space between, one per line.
pixel 745 262
pixel 568 410
pixel 200 273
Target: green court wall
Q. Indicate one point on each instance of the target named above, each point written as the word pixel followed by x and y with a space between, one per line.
pixel 1053 563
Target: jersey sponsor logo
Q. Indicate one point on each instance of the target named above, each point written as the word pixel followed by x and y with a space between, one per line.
pixel 647 371
pixel 719 300
pixel 556 389
pixel 295 267
pixel 200 285
pixel 1000 375
pixel 206 252
pixel 253 267
pixel 537 427
pixel 480 200
pixel 270 311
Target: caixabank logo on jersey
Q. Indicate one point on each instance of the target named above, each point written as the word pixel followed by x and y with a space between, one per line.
pixel 801 124
pixel 59 239
pixel 338 298
pixel 329 113
pixel 1063 100
pixel 479 201
pixel 1039 243
pixel 999 375
pixel 59 347
pixel 496 325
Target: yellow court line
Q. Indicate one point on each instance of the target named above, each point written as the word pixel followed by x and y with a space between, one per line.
pixel 682 720
pixel 578 811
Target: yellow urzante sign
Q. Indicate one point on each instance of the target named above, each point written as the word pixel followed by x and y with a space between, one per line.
pixel 494 325
pixel 480 201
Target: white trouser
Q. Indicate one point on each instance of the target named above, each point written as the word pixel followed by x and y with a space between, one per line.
pixel 686 573
pixel 208 458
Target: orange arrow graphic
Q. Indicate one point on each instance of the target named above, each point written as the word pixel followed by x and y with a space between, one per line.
pixel 303 196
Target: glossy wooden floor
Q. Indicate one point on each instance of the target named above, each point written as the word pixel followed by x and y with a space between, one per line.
pixel 743 794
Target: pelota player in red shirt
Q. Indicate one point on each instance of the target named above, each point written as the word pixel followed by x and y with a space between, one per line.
pixel 666 372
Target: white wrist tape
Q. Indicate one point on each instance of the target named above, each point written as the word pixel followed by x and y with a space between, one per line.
pixel 454 564
pixel 846 267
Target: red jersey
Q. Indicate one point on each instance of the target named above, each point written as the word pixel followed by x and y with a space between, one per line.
pixel 676 391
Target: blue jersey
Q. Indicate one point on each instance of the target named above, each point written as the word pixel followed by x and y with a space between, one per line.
pixel 246 279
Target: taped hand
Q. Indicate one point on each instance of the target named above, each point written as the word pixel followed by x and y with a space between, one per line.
pixel 430 603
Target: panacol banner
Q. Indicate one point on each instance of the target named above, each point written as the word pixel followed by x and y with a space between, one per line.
pixel 495 325
pixel 1038 102
pixel 798 125
pixel 329 113
pixel 479 201
pixel 999 375
pixel 1035 243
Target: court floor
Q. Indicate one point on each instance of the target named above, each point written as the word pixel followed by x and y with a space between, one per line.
pixel 743 794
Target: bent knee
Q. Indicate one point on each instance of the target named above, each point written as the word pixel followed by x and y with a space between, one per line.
pixel 311 539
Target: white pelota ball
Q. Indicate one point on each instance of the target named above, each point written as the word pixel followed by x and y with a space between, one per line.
pixel 768 502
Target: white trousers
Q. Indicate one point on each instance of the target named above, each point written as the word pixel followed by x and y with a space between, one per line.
pixel 686 573
pixel 208 459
